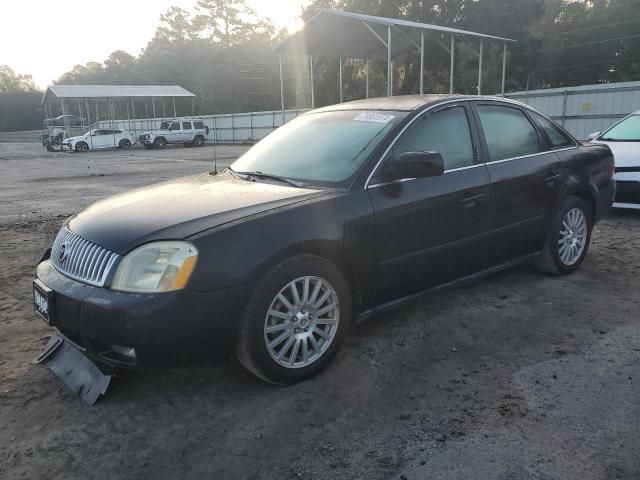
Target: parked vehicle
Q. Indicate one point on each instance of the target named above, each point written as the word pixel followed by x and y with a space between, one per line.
pixel 100 139
pixel 63 121
pixel 190 133
pixel 623 138
pixel 337 215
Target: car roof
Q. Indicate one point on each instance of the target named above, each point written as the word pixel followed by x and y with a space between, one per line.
pixel 406 103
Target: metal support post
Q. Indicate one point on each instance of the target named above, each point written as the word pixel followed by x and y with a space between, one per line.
pixel 313 95
pixel 281 86
pixel 504 65
pixel 453 61
pixel 340 80
pixel 422 62
pixel 389 64
pixel 480 67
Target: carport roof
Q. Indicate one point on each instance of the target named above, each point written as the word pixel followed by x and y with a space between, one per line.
pixel 59 92
pixel 334 33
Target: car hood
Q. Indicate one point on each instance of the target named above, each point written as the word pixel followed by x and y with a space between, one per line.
pixel 75 139
pixel 180 208
pixel 626 154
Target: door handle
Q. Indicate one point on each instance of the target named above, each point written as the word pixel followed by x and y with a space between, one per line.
pixel 470 200
pixel 551 177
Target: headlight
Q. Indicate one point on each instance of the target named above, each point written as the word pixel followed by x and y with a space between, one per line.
pixel 156 267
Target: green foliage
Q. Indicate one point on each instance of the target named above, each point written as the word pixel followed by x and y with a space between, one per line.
pixel 13 82
pixel 224 54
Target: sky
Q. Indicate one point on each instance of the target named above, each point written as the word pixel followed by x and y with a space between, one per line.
pixel 47 39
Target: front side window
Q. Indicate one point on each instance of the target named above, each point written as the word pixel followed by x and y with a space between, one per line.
pixel 628 130
pixel 508 132
pixel 446 132
pixel 164 126
pixel 555 135
pixel 175 126
pixel 325 147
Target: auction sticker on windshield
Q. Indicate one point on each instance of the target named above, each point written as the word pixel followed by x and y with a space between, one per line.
pixel 374 117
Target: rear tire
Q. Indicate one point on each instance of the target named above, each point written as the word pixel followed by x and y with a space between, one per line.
pixel 307 344
pixel 198 141
pixel 569 239
pixel 124 144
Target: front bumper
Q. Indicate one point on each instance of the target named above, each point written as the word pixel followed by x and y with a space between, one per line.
pixel 164 328
pixel 628 190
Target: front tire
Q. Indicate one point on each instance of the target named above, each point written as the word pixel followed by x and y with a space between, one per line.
pixel 160 143
pixel 82 147
pixel 569 239
pixel 296 320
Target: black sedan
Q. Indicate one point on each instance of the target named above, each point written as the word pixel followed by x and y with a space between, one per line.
pixel 341 213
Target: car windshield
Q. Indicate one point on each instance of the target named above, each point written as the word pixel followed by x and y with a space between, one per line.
pixel 164 126
pixel 627 130
pixel 325 148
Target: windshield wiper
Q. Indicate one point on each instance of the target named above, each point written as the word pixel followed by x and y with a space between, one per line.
pixel 271 177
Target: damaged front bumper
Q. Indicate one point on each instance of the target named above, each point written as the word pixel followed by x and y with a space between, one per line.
pixel 68 361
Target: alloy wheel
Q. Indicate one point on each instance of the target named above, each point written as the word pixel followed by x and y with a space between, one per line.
pixel 573 236
pixel 301 322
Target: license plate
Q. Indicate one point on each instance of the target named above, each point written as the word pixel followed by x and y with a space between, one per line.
pixel 42 300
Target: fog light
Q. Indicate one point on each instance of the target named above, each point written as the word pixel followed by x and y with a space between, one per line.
pixel 128 352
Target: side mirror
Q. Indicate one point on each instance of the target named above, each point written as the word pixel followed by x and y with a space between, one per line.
pixel 414 165
pixel 594 135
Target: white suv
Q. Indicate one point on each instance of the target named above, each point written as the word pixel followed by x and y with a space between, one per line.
pixel 191 133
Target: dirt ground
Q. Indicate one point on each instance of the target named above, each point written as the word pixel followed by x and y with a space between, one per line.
pixel 520 376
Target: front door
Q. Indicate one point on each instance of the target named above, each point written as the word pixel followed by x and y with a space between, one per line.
pixel 433 230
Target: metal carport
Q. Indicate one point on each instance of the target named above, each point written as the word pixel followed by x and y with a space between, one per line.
pixel 339 34
pixel 85 96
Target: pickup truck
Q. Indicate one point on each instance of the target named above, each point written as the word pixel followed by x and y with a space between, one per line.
pixel 190 133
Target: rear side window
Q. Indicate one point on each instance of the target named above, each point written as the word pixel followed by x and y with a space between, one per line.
pixel 186 125
pixel 556 136
pixel 198 125
pixel 508 132
pixel 447 132
pixel 117 131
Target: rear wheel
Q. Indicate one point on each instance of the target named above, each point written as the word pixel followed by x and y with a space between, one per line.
pixel 569 239
pixel 198 141
pixel 296 320
pixel 160 143
pixel 124 144
pixel 82 147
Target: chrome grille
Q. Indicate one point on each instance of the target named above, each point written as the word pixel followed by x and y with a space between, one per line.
pixel 81 259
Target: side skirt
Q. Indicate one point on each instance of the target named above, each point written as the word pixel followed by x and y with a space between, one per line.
pixel 461 281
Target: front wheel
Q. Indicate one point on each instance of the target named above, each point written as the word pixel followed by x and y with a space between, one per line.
pixel 160 143
pixel 569 239
pixel 296 320
pixel 82 147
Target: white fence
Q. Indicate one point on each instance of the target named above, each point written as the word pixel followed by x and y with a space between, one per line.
pixel 229 128
pixel 585 109
pixel 581 110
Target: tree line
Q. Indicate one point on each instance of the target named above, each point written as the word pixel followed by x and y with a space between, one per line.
pixel 224 53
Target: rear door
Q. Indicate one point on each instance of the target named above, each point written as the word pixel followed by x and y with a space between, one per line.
pixel 432 230
pixel 525 179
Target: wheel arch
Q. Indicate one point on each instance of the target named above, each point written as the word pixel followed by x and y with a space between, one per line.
pixel 326 250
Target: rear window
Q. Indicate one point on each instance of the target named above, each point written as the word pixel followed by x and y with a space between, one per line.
pixel 186 125
pixel 198 125
pixel 508 132
pixel 556 136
